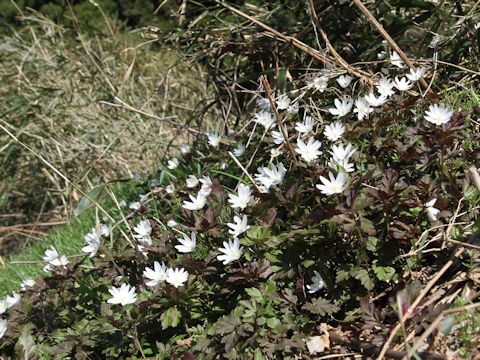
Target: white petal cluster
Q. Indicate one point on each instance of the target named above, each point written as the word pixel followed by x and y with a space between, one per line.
pixel 403 84
pixel 143 232
pixel 185 149
pixel 317 283
pixel 242 199
pixel 385 87
pixel 438 114
pixel 239 226
pixel 53 258
pixel 340 157
pixel 123 295
pixel 173 163
pixel 26 283
pixel 214 140
pixel 239 150
pixel 278 137
pixel 306 126
pixel 231 251
pixel 270 175
pixel 362 108
pixel 342 106
pixel 283 102
pixel 374 101
pixel 196 202
pixel 334 131
pixel 187 244
pixel 264 118
pixel 320 83
pixel 432 212
pixel 344 80
pixel 93 239
pixel 309 151
pixel 156 275
pixel 396 60
pixel 416 74
pixel 3 327
pixel 206 187
pixel 335 185
pixel 192 181
pixel 176 277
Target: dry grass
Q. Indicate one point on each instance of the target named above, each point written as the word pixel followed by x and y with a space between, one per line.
pixel 95 108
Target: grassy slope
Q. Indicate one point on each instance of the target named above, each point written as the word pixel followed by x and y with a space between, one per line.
pixel 68 240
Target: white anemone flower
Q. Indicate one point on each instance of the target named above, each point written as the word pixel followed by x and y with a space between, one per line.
pixel 171 223
pixel 170 189
pixel 309 151
pixel 416 74
pixel 195 203
pixel 156 275
pixel 135 205
pixel 143 232
pixel 334 131
pixel 320 83
pixel 242 199
pixel 185 148
pixel 176 277
pixel 374 101
pixel 293 108
pixel 317 283
pixel 214 140
pixel 335 185
pixel 173 163
pixel 438 114
pixel 26 283
pixel 11 300
pixel 403 84
pixel 396 60
pixel 188 243
pixel 362 108
pixel 344 80
pixel 283 102
pixel 206 187
pixel 239 226
pixel 264 118
pixel 306 126
pixel 239 150
pixel 270 176
pixel 231 250
pixel 53 258
pixel 432 212
pixel 93 243
pixel 341 165
pixel 3 327
pixel 192 181
pixel 278 137
pixel 123 295
pixel 385 87
pixel 342 106
pixel 340 152
pixel 264 104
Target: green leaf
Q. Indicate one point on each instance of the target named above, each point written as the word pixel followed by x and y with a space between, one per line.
pixel 384 273
pixel 27 342
pixel 255 294
pixel 88 199
pixel 364 278
pixel 321 307
pixel 372 244
pixel 171 318
pixel 273 323
pixel 341 276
